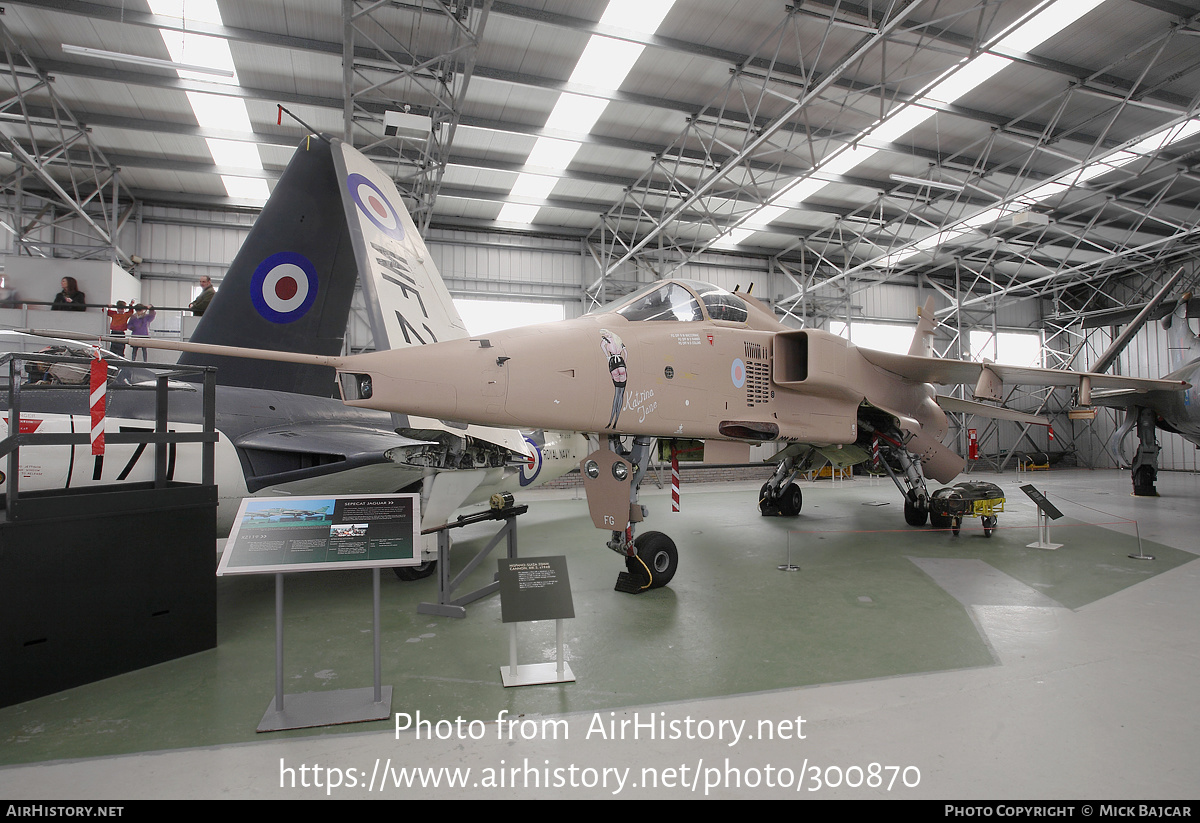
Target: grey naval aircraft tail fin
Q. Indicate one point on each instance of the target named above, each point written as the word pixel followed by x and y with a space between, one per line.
pixel 1121 341
pixel 407 301
pixel 290 286
pixel 1183 345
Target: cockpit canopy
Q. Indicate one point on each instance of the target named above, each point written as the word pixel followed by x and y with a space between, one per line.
pixel 681 301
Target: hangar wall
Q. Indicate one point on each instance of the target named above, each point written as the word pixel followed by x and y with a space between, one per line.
pixel 178 246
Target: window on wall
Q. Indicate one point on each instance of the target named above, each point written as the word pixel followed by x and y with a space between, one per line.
pixel 887 337
pixel 483 316
pixel 1007 348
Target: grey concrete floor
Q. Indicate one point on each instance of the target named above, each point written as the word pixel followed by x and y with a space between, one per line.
pixel 922 665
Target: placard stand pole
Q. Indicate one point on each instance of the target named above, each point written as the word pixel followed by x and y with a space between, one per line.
pixel 533 674
pixel 1043 541
pixel 1047 511
pixel 309 709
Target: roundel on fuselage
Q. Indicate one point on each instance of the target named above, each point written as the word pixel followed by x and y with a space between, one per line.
pixel 532 466
pixel 737 372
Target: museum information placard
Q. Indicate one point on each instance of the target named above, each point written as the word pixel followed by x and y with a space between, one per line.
pixel 276 534
pixel 535 588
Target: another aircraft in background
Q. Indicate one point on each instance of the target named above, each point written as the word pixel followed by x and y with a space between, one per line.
pixel 1172 411
pixel 284 432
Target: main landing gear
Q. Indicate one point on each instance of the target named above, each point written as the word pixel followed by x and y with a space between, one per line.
pixel 780 496
pixel 1144 468
pixel 1145 464
pixel 905 471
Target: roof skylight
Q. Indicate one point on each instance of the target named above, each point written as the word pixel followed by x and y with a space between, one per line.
pixel 957 82
pixel 604 64
pixel 214 111
pixel 1051 188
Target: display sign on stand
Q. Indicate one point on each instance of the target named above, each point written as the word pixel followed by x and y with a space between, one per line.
pixel 297 534
pixel 535 588
pixel 1047 511
pixel 274 535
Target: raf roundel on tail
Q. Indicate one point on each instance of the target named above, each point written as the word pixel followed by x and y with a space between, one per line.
pixel 375 205
pixel 331 219
pixel 284 287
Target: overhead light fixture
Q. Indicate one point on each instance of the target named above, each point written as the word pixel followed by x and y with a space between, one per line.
pixel 398 123
pixel 1029 219
pixel 121 57
pixel 920 181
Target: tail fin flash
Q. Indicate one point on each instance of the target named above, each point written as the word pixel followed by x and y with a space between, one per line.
pixel 922 342
pixel 290 286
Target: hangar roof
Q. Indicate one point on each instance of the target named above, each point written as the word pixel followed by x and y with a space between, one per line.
pixel 1029 146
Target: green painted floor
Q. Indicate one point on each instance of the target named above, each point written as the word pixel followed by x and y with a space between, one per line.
pixel 873 599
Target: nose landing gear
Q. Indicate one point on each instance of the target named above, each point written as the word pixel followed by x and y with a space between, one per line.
pixel 611 479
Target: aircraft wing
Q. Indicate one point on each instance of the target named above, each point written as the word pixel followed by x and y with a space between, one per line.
pixel 350 440
pixel 26 342
pixel 294 452
pixel 952 372
pixel 956 404
pixel 1122 399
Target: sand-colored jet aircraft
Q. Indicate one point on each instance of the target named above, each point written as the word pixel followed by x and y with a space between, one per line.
pixel 677 359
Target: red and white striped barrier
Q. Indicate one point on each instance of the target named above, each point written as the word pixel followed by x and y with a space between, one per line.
pixel 99 384
pixel 674 480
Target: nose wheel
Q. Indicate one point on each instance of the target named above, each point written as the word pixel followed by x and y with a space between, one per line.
pixel 652 567
pixel 915 514
pixel 410 573
pixel 787 504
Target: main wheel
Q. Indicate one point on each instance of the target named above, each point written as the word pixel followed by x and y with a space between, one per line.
pixel 915 515
pixel 658 552
pixel 791 501
pixel 410 573
pixel 1143 482
pixel 989 526
pixel 764 506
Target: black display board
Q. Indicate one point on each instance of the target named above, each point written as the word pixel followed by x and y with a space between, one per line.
pixel 535 588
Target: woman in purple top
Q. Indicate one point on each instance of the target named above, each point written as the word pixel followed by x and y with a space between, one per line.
pixel 139 326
